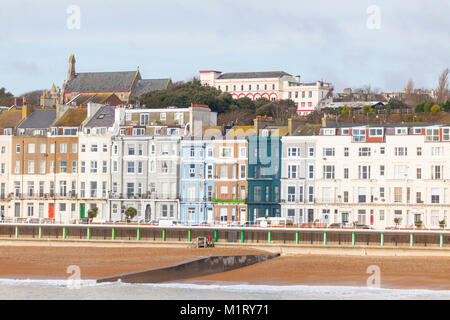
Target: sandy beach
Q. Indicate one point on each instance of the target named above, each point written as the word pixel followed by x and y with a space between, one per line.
pixel 95 262
pixel 396 272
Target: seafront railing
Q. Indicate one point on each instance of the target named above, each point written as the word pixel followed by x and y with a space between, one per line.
pixel 228 235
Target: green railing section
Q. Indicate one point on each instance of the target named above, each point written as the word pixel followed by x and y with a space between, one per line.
pixel 411 239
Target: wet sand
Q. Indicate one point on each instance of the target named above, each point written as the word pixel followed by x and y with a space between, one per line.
pixel 396 272
pixel 51 262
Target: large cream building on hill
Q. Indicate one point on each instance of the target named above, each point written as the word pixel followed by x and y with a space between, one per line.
pixel 273 85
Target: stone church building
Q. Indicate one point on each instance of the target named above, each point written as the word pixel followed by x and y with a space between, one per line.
pixel 126 85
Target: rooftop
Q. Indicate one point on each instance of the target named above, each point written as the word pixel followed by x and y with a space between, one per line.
pixel 148 85
pixel 241 131
pixel 10 118
pixel 72 118
pixel 39 119
pixel 101 81
pixel 104 117
pixel 253 75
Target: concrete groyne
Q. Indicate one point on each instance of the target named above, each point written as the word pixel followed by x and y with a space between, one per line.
pixel 190 269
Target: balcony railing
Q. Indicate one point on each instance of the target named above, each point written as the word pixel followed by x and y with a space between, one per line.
pixel 115 195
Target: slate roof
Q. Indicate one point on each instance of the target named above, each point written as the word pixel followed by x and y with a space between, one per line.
pixel 253 75
pixel 104 117
pixel 307 130
pixel 72 118
pixel 148 85
pixel 10 118
pixel 39 119
pixel 101 81
pixel 99 98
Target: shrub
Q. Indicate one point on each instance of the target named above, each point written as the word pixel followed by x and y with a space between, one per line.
pixel 130 213
pixel 92 213
pixel 435 108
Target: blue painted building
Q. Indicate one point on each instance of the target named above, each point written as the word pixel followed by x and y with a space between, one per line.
pixel 196 181
pixel 264 177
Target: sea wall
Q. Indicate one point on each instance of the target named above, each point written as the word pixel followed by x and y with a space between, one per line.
pixel 189 269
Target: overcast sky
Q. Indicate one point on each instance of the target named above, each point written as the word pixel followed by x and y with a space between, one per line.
pixel 327 40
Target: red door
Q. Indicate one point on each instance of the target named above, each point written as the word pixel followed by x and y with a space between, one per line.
pixel 51 210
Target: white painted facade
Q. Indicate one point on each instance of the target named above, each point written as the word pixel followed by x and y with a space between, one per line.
pixel 94 170
pixel 298 179
pixel 372 183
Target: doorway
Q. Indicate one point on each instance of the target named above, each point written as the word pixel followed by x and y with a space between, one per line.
pixel 148 213
pixel 82 210
pixel 51 210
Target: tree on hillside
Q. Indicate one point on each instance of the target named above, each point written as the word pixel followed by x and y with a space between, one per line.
pixel 283 110
pixel 182 95
pixel 236 117
pixel 6 98
pixel 345 111
pixel 442 93
pixel 33 97
pixel 367 109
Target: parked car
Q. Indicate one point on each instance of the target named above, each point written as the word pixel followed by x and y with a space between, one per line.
pixel 204 224
pixel 336 225
pixel 246 225
pixel 362 226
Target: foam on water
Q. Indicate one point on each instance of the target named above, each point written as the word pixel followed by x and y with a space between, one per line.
pixel 89 289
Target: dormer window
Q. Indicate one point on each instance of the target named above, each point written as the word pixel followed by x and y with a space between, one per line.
pixel 445 134
pixel 70 131
pixel 139 132
pixel 417 130
pixel 432 135
pixel 376 132
pixel 359 135
pixel 329 132
pixel 401 131
pixel 144 119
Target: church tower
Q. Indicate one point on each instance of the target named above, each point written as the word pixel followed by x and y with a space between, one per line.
pixel 71 73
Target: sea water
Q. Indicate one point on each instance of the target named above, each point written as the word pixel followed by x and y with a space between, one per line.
pixel 90 290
